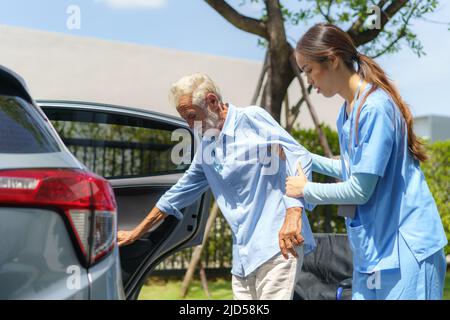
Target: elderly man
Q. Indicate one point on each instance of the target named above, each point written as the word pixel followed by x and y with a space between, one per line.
pixel 238 161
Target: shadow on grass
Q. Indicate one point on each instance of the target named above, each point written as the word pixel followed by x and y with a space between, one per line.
pixel 220 289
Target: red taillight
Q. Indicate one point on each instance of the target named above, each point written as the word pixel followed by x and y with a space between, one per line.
pixel 86 199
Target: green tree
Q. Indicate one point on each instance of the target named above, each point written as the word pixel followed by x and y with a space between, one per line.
pixel 353 16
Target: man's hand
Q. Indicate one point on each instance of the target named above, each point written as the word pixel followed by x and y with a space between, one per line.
pixel 126 237
pixel 295 185
pixel 153 218
pixel 289 236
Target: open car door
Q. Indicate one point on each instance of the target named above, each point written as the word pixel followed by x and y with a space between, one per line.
pixel 132 148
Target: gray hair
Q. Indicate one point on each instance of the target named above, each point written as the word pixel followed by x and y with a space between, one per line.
pixel 196 85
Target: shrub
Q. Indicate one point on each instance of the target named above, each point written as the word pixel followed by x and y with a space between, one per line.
pixel 437 173
pixel 323 218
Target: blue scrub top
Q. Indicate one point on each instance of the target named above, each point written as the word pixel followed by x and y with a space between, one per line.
pixel 402 204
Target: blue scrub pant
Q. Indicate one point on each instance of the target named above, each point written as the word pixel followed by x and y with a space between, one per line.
pixel 412 281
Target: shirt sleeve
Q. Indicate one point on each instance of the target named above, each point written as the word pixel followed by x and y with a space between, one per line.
pixel 260 120
pixel 327 166
pixel 186 191
pixel 356 190
pixel 376 138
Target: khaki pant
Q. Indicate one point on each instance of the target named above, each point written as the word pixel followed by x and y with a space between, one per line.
pixel 273 280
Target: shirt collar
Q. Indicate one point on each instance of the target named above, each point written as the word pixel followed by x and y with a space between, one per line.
pixel 343 114
pixel 229 124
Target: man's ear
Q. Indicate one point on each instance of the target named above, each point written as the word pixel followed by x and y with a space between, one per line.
pixel 212 102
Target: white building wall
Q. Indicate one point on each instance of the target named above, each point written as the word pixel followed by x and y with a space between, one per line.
pixel 432 127
pixel 59 66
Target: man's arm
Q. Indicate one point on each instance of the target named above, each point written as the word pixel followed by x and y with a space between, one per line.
pixel 294 154
pixel 154 217
pixel 185 192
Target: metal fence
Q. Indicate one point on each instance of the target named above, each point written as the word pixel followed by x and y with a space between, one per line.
pixel 216 255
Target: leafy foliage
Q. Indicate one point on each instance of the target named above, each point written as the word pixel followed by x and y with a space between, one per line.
pixel 437 174
pixel 344 13
pixel 323 218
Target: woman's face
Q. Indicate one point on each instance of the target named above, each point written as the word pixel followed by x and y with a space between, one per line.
pixel 321 75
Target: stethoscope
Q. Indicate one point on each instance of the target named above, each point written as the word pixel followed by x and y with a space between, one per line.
pixel 347 156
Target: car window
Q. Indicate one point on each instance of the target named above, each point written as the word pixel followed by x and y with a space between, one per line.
pixel 23 129
pixel 117 145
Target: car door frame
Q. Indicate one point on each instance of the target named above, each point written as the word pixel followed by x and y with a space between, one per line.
pixel 189 231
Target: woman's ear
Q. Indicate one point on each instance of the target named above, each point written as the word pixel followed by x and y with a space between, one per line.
pixel 333 61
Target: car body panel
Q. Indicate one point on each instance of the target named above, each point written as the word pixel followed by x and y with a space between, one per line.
pixel 40 160
pixel 106 278
pixel 37 257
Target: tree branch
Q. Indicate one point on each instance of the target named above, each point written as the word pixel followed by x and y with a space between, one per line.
pixel 240 21
pixel 327 14
pixel 275 26
pixel 330 2
pixel 401 33
pixel 357 25
pixel 389 46
pixel 362 37
pixel 296 111
pixel 262 75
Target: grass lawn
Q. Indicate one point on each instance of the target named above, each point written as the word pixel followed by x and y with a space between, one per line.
pixel 447 286
pixel 220 289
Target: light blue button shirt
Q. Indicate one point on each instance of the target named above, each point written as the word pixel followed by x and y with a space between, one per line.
pixel 249 192
pixel 401 204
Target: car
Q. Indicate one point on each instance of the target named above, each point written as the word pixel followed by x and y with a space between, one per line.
pixel 71 175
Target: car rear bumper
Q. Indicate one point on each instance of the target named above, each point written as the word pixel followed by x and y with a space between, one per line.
pixel 38 260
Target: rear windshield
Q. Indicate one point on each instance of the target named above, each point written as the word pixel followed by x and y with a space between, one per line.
pixel 22 128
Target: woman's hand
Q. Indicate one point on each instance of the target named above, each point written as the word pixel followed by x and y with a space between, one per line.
pixel 295 185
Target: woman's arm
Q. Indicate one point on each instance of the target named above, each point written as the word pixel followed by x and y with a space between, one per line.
pixel 357 190
pixel 327 166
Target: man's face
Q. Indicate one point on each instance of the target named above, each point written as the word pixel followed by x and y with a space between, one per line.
pixel 192 113
pixel 189 112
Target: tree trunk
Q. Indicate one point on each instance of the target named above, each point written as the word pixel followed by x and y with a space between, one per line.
pixel 280 73
pixel 276 87
pixel 197 253
pixel 204 281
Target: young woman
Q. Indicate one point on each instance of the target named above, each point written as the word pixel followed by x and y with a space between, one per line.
pixel 393 225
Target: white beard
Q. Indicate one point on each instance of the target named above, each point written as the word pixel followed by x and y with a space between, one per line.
pixel 211 124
